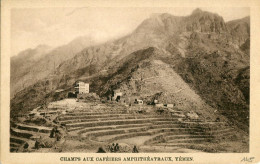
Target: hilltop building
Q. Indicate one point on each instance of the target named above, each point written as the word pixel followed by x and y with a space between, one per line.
pixel 81 87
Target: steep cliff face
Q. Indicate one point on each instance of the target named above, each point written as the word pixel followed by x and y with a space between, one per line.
pixel 202 21
pixel 239 30
pixel 197 62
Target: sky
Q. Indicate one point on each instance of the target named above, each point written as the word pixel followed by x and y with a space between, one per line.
pixel 58 26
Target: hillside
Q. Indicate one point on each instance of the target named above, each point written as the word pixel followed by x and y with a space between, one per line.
pixel 21 65
pixel 239 30
pixel 197 62
pixel 33 65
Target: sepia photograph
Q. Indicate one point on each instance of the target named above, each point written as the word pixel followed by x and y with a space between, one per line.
pixel 137 81
pixel 130 80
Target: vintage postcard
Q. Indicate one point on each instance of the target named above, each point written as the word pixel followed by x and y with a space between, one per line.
pixel 130 81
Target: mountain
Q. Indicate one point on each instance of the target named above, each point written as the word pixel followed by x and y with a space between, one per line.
pixel 32 54
pixel 21 65
pixel 33 65
pixel 239 30
pixel 157 31
pixel 197 62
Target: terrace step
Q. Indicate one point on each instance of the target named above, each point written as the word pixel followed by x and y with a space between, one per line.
pixel 173 137
pixel 149 132
pixel 97 128
pixel 175 121
pixel 110 138
pixel 21 133
pixel 103 115
pixel 212 122
pixel 33 128
pixel 123 125
pixel 216 132
pixel 179 144
pixel 95 113
pixel 223 134
pixel 13 149
pixel 208 127
pixel 13 144
pixel 65 117
pixel 25 133
pixel 165 135
pixel 188 140
pixel 103 119
pixel 18 140
pixel 204 124
pixel 130 129
pixel 115 122
pixel 117 131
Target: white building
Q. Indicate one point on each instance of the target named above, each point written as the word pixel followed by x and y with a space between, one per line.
pixel 117 94
pixel 82 87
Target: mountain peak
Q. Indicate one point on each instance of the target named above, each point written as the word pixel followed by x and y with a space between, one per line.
pixel 43 46
pixel 204 21
pixel 197 11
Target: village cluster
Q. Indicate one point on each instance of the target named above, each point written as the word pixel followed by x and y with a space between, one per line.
pixel 82 91
pixel 84 112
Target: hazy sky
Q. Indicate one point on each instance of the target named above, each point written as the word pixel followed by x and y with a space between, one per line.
pixel 58 26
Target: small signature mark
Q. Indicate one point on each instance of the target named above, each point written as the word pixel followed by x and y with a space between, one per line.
pixel 248 159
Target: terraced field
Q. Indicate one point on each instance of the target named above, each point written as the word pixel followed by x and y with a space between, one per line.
pixel 22 134
pixel 86 127
pixel 147 129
